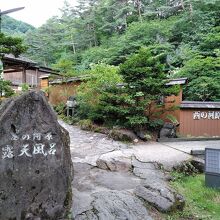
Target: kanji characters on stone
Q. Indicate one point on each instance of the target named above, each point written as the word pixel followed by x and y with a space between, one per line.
pixel 35 137
pixel 29 151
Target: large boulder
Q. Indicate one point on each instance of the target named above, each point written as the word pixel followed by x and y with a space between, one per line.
pixel 35 161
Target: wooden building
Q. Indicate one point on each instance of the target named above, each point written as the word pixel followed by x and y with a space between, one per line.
pixel 60 90
pixel 195 119
pixel 200 119
pixel 21 70
pixel 173 102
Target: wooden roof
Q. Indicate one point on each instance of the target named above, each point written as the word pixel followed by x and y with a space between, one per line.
pixel 18 64
pixel 179 81
pixel 196 104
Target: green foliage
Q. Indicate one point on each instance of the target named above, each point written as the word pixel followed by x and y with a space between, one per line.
pixel 5 88
pixel 204 88
pixel 86 124
pixel 69 119
pixel 12 45
pixel 203 75
pixel 185 169
pixel 66 67
pixel 102 76
pixel 144 76
pixel 14 27
pixel 60 108
pixel 116 49
pixel 201 202
pixel 111 31
pixel 24 87
pixel 172 119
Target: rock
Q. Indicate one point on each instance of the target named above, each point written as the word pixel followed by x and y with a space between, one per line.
pixel 154 188
pixel 122 135
pixel 136 140
pixel 143 135
pixel 157 193
pixel 168 131
pixel 113 205
pixel 115 161
pixel 146 170
pixel 35 161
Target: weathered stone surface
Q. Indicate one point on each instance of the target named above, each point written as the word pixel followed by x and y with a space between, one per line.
pixel 122 135
pixel 35 162
pixel 115 161
pixel 143 135
pixel 115 205
pixel 147 160
pixel 168 131
pixel 157 193
pixel 154 188
pixel 146 170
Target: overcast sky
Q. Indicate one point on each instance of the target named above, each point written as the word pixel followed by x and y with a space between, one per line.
pixel 36 12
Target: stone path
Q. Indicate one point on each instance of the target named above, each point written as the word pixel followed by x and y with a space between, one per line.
pixel 113 180
pixel 187 146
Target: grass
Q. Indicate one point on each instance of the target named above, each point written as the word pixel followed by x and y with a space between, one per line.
pixel 201 202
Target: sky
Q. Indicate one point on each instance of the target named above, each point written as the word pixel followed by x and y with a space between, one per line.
pixel 36 12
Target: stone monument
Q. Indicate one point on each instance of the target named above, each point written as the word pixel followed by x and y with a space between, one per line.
pixel 35 161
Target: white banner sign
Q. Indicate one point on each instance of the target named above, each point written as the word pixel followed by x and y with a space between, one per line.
pixel 211 115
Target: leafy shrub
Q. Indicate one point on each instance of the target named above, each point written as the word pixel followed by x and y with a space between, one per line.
pixel 24 87
pixel 185 169
pixel 133 105
pixel 5 88
pixel 102 76
pixel 60 108
pixel 86 124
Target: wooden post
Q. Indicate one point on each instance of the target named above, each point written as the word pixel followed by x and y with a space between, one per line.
pixel 37 79
pixel 24 76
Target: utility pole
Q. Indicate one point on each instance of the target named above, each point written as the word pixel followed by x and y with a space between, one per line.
pixel 7 12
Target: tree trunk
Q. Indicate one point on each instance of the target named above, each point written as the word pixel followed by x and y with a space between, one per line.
pixel 191 10
pixel 139 10
pixel 182 4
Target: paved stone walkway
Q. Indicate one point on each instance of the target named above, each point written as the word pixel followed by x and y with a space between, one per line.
pixel 187 146
pixel 113 180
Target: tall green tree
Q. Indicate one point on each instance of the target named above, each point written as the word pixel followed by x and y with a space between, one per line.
pixel 13 45
pixel 8 45
pixel 144 76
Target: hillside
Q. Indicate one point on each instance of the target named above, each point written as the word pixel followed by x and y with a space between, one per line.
pixel 111 31
pixel 14 27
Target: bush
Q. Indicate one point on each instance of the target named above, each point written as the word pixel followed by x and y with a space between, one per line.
pixel 60 108
pixel 5 88
pixel 24 87
pixel 133 105
pixel 102 76
pixel 86 124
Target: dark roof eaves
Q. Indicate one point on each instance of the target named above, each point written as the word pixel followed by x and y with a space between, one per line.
pixel 198 104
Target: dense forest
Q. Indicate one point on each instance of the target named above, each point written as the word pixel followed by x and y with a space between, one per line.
pixel 109 31
pixel 14 27
pixel 139 43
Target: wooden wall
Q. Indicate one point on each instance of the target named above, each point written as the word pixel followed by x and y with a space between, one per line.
pixel 171 107
pixel 205 126
pixel 59 93
pixel 32 77
pixel 44 83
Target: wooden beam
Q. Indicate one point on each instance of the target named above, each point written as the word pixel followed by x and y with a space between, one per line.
pixel 13 70
pixel 24 77
pixel 12 66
